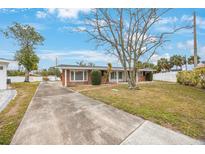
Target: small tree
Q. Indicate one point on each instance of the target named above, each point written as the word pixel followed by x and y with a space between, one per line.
pixel 90 64
pixel 191 60
pixel 109 70
pixel 28 38
pixel 54 71
pixel 139 65
pixel 178 61
pixel 44 73
pixel 164 64
pixel 148 65
pixel 84 63
pixel 81 63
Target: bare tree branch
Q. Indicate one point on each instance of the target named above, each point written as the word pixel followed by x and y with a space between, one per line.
pixel 128 34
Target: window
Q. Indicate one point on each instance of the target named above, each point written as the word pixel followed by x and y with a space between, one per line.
pixel 72 75
pixel 113 76
pixel 1 67
pixel 85 76
pixel 79 75
pixel 119 75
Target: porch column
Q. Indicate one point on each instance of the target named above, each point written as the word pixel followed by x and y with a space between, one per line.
pixel 65 77
pixel 117 76
pixel 109 77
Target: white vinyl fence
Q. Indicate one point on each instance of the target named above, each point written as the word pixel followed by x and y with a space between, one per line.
pixel 31 78
pixel 166 76
pixel 22 78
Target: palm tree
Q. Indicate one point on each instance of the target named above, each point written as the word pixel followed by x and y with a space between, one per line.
pixel 191 60
pixel 177 60
pixel 109 70
pixel 91 64
pixel 81 63
pixel 164 64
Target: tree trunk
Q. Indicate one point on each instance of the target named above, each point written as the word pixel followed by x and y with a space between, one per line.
pixel 26 76
pixel 132 83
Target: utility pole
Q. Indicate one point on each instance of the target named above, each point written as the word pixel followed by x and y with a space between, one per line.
pixel 195 40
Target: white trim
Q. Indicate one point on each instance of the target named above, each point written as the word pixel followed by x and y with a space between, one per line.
pixel 79 80
pixel 117 77
pixel 99 68
pixel 88 68
pixel 4 61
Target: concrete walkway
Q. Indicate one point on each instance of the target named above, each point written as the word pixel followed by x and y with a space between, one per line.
pixel 58 115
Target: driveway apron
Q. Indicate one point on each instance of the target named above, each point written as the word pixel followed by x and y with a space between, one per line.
pixel 57 115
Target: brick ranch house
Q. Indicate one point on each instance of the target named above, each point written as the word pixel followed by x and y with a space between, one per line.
pixel 73 74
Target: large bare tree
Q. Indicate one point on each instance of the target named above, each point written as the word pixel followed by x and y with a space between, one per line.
pixel 128 34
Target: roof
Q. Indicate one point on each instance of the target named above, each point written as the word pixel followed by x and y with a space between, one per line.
pixel 6 61
pixel 97 68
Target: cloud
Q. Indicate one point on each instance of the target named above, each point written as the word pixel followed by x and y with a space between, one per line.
pixel 163 28
pixel 72 29
pixel 70 13
pixel 169 23
pixel 168 20
pixel 89 55
pixel 201 52
pixel 36 25
pixel 63 13
pixel 199 20
pixel 156 57
pixel 11 10
pixel 41 14
pixel 187 45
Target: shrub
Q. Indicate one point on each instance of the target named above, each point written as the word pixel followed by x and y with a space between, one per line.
pixel 201 73
pixel 54 71
pixel 186 78
pixel 44 72
pixel 45 78
pixel 183 77
pixel 189 78
pixel 180 77
pixel 96 77
pixel 15 73
pixel 149 76
pixel 194 78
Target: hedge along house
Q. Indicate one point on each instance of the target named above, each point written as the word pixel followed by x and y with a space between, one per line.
pixel 73 74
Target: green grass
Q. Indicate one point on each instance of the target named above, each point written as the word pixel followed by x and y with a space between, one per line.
pixel 12 115
pixel 177 107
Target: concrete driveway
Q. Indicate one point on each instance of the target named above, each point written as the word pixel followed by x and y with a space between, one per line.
pixel 58 115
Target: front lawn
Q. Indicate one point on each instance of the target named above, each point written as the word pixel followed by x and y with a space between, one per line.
pixel 12 115
pixel 177 107
pixel 80 88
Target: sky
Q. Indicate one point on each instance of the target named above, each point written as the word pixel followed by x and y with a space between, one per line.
pixel 62 41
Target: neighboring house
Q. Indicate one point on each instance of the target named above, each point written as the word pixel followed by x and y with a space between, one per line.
pixel 3 73
pixel 73 74
pixel 14 66
pixel 201 65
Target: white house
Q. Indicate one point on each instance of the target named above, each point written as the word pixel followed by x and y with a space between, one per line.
pixel 3 73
